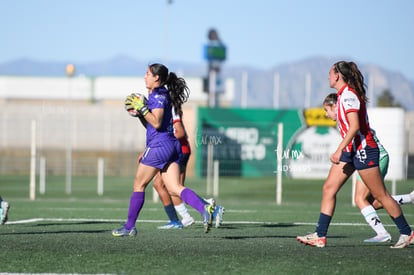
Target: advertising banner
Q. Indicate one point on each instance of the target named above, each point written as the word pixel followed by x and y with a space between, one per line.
pixel 244 141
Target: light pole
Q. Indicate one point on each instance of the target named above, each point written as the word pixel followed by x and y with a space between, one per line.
pixel 166 19
pixel 215 54
pixel 70 72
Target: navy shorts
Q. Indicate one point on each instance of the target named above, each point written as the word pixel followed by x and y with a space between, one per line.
pixel 183 160
pixel 162 154
pixel 362 159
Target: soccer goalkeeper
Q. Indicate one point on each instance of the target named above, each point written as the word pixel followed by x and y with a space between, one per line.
pixel 166 91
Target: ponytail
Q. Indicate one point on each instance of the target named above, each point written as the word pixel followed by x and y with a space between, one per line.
pixel 178 90
pixel 177 87
pixel 352 76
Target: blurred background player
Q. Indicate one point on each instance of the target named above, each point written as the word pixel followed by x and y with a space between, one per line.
pixel 363 197
pixel 4 210
pixel 174 203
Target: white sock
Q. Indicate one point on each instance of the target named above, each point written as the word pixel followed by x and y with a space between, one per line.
pixel 402 199
pixel 373 220
pixel 182 210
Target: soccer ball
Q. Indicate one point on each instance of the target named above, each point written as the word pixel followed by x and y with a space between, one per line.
pixel 135 113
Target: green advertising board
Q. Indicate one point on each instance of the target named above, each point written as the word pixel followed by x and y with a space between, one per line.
pixel 244 141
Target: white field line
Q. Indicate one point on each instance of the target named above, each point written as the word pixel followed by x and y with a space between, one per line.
pixel 34 220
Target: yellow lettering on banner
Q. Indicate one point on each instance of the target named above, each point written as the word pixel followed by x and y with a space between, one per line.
pixel 317 117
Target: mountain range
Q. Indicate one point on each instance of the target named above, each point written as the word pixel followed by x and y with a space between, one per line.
pixel 310 74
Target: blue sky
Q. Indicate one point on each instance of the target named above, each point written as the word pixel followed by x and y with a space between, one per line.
pixel 261 33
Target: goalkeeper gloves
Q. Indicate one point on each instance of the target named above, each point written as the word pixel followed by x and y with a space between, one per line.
pixel 137 103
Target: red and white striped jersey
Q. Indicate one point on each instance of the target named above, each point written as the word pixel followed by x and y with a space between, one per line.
pixel 185 145
pixel 349 101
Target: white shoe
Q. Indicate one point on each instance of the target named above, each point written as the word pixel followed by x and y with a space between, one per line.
pixel 171 225
pixel 5 206
pixel 219 211
pixel 187 221
pixel 404 240
pixel 312 239
pixel 379 239
pixel 412 197
pixel 212 201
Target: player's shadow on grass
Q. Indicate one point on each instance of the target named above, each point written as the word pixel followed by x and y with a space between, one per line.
pixel 278 225
pixel 256 237
pixel 76 231
pixel 71 223
pixel 57 232
pixel 230 226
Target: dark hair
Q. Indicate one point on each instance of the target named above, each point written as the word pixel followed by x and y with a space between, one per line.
pixel 330 99
pixel 352 76
pixel 177 87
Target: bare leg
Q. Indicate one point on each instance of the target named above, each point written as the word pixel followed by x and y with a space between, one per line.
pixel 373 180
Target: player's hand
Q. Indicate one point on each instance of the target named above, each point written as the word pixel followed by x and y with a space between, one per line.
pixel 137 103
pixel 335 157
pixel 132 112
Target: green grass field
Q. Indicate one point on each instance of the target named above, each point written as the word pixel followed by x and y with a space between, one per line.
pixel 60 233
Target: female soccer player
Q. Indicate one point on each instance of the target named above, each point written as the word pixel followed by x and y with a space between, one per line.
pixel 174 203
pixel 166 91
pixel 357 151
pixel 363 198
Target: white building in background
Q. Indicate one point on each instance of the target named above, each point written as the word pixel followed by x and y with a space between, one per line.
pixel 93 108
pixel 95 89
pixel 87 113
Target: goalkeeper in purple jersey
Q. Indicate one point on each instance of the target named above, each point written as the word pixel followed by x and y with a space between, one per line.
pixel 166 91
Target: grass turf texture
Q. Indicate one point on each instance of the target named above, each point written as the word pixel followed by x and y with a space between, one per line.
pixel 72 233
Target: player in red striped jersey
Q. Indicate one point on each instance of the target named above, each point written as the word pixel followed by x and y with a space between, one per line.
pixel 358 150
pixel 171 202
pixel 363 198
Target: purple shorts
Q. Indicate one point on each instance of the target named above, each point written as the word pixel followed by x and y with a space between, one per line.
pixel 162 154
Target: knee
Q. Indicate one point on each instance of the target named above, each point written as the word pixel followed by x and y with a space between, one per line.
pixel 139 185
pixel 376 204
pixel 157 184
pixel 380 195
pixel 328 190
pixel 175 191
pixel 360 202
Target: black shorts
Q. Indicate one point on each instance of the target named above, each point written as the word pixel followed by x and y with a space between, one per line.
pixel 182 161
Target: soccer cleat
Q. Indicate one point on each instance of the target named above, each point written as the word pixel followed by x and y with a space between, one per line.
pixel 171 225
pixel 207 217
pixel 218 212
pixel 312 239
pixel 5 206
pixel 218 215
pixel 379 239
pixel 210 201
pixel 123 232
pixel 404 240
pixel 187 221
pixel 412 197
